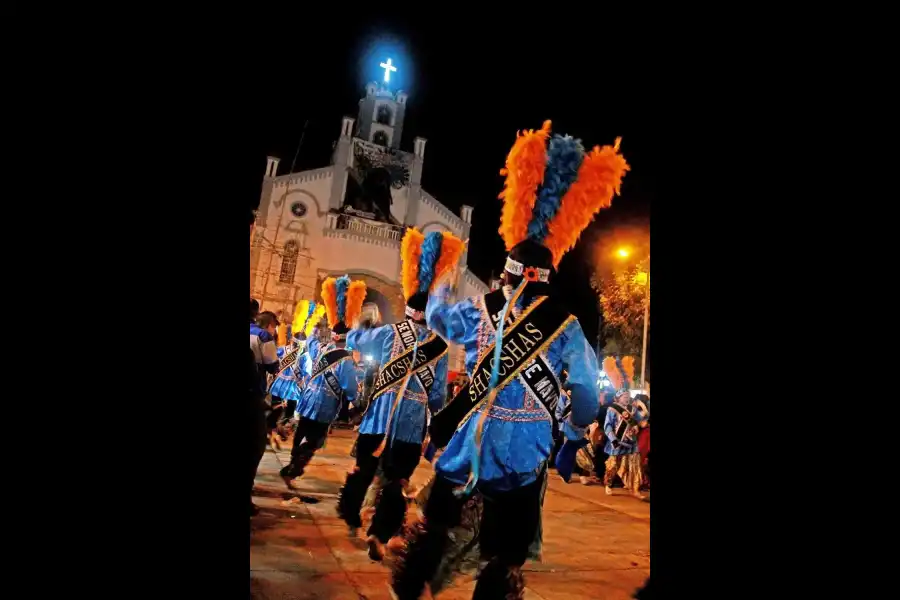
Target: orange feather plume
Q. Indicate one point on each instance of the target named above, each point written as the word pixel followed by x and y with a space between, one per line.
pixel 410 251
pixel 524 173
pixel 612 372
pixel 628 367
pixel 599 178
pixel 451 249
pixel 329 299
pixel 356 295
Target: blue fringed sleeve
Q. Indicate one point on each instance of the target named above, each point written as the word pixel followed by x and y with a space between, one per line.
pixel 581 363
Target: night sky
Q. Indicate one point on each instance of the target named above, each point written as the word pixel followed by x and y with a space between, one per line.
pixel 471 86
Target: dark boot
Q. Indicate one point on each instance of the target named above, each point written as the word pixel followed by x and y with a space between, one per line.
pixel 390 512
pixel 417 560
pixel 350 499
pixel 291 470
pixel 498 581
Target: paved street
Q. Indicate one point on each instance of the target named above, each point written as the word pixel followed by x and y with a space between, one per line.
pixel 595 546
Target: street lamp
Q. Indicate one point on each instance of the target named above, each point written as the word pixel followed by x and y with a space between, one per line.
pixel 623 253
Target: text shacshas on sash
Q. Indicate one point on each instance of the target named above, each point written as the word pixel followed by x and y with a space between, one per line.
pixel 395 370
pixel 288 360
pixel 522 344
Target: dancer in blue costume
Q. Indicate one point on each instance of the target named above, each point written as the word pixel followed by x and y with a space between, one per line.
pixel 394 425
pixel 333 378
pixel 307 315
pixel 285 390
pixel 517 340
pixel 623 422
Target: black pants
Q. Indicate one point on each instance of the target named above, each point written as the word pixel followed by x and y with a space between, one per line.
pixel 398 461
pixel 309 437
pixel 256 438
pixel 509 524
pixel 289 411
pixel 274 414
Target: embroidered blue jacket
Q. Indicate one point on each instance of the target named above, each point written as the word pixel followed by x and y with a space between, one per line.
pixel 410 418
pixel 286 383
pixel 628 445
pixel 317 401
pixel 517 435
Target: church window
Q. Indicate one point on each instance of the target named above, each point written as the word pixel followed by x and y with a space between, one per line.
pixel 380 138
pixel 384 115
pixel 298 209
pixel 289 262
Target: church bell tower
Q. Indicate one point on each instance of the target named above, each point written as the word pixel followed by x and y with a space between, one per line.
pixel 381 112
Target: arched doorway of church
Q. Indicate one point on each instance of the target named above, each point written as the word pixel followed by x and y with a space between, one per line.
pixel 384 294
pixel 385 309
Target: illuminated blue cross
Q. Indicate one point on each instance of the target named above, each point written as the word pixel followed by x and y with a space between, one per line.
pixel 388 67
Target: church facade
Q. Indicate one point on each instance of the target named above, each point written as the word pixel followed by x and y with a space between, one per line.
pixel 349 217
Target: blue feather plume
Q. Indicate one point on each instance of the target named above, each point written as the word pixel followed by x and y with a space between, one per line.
pixel 564 157
pixel 341 286
pixel 431 252
pixel 312 309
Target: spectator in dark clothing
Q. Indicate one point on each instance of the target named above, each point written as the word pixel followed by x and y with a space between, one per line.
pixel 262 348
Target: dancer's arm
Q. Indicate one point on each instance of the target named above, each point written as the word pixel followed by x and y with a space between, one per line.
pixel 453 322
pixel 581 363
pixel 438 395
pixel 609 425
pixel 349 379
pixel 370 341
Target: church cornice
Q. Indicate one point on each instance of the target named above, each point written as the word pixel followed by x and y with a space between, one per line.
pixel 354 236
pixel 475 282
pixel 443 211
pixel 302 176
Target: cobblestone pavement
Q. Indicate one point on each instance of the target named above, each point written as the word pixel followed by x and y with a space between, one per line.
pixel 595 546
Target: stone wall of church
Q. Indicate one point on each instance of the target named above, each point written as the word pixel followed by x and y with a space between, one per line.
pixel 344 250
pixel 295 212
pixel 431 215
pixel 469 285
pixel 400 202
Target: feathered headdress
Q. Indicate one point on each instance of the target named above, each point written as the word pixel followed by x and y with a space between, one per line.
pixel 628 369
pixel 302 312
pixel 314 319
pixel 307 315
pixel 612 372
pixel 343 300
pixel 619 376
pixel 424 260
pixel 553 190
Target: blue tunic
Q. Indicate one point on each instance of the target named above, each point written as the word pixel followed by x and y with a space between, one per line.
pixel 613 418
pixel 517 435
pixel 286 384
pixel 318 402
pixel 409 421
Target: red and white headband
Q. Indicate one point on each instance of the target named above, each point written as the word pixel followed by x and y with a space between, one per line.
pixel 529 273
